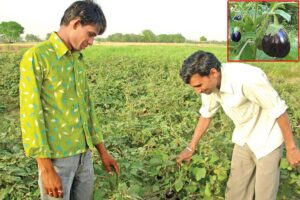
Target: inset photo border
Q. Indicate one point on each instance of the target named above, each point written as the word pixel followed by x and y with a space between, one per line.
pixel 263 31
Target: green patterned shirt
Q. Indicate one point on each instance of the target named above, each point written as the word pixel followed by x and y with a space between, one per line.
pixel 57 115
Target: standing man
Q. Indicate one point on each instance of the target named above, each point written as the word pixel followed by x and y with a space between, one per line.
pixel 260 118
pixel 58 121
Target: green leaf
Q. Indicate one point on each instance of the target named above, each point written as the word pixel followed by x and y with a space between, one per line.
pixel 155 161
pixel 248 52
pixel 273 29
pixel 155 188
pixel 248 25
pixel 135 190
pixel 178 184
pixel 197 159
pixel 293 54
pixel 276 5
pixel 222 176
pixel 236 29
pixel 284 164
pixel 283 14
pixel 234 57
pixel 199 173
pixel 294 4
pixel 260 55
pixel 98 194
pixel 5 191
pixel 207 190
pixel 249 35
pixel 214 158
pixel 191 188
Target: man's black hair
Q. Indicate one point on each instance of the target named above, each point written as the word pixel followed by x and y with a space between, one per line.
pixel 88 12
pixel 201 63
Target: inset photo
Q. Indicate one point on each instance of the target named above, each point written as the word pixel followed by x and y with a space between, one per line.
pixel 263 31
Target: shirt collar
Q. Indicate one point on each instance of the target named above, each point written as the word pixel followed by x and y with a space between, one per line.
pixel 60 48
pixel 226 86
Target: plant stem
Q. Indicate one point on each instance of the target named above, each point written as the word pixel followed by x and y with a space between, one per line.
pixel 242 49
pixel 275 19
pixel 264 22
pixel 254 22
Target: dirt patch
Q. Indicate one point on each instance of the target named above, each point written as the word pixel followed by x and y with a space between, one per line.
pixel 15 46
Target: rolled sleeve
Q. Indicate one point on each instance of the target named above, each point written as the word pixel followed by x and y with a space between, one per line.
pixel 278 110
pixel 209 106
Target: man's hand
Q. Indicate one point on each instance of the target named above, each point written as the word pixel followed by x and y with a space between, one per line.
pixel 52 184
pixel 51 181
pixel 107 160
pixel 293 156
pixel 185 155
pixel 292 152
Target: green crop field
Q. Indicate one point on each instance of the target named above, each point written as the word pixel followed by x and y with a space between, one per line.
pixel 147 115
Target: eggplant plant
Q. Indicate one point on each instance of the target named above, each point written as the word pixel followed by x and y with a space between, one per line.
pixel 263 31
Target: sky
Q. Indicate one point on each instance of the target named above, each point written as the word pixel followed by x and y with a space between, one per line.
pixel 191 18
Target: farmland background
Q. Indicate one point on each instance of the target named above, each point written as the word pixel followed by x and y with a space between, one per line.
pixel 147 116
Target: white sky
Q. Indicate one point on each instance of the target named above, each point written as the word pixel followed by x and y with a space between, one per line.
pixel 191 18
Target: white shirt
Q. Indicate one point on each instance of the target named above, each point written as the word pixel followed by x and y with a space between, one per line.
pixel 248 98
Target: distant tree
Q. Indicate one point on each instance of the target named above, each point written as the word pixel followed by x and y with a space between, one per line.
pixel 11 31
pixel 203 39
pixel 100 39
pixel 48 35
pixel 128 38
pixel 170 38
pixel 116 37
pixel 1 38
pixel 149 36
pixel 177 38
pixel 162 38
pixel 137 38
pixel 146 36
pixel 32 38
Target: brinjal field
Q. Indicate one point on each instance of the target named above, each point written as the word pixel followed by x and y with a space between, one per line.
pixel 147 115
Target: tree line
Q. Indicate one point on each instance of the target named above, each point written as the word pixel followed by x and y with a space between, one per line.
pixel 145 36
pixel 11 32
